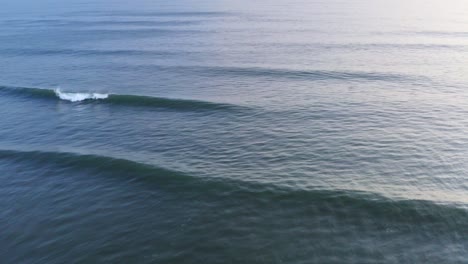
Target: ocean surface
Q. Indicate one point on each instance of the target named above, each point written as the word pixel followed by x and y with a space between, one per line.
pixel 233 131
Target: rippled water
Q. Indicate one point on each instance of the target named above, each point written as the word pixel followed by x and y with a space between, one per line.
pixel 234 132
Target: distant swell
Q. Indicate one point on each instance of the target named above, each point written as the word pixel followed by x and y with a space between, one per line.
pixel 414 212
pixel 155 14
pixel 278 74
pixel 309 74
pixel 83 23
pixel 118 99
pixel 87 52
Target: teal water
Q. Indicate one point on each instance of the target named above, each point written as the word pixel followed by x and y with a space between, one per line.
pixel 233 132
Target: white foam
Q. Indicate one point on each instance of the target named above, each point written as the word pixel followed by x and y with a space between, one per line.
pixel 77 97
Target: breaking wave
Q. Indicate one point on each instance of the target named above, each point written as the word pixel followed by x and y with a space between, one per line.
pixel 78 97
pixel 119 99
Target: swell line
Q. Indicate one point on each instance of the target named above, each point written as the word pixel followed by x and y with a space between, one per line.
pixel 309 74
pixel 154 14
pixel 119 99
pixel 85 23
pixel 295 74
pixel 416 212
pixel 87 52
pixel 97 162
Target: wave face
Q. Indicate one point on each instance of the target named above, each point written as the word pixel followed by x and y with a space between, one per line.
pixel 377 206
pixel 119 99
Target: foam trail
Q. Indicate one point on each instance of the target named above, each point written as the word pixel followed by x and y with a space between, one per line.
pixel 78 97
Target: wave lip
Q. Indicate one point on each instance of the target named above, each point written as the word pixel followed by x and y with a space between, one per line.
pixel 78 97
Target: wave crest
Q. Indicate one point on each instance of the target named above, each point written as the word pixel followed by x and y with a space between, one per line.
pixel 78 97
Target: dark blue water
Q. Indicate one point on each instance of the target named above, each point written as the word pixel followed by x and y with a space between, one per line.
pixel 233 131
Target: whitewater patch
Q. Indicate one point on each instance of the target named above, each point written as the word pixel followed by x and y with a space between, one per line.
pixel 78 97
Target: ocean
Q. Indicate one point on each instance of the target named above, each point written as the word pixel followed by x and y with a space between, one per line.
pixel 233 131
